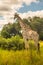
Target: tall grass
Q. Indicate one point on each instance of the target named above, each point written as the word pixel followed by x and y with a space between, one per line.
pixel 23 57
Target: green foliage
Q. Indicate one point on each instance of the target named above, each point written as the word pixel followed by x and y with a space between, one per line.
pixel 37 25
pixel 13 43
pixel 26 21
pixel 2 43
pixel 18 41
pixel 10 30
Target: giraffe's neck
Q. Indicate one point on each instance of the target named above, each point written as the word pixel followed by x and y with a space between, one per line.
pixel 22 24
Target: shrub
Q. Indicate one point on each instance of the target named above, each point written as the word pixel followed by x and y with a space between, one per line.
pixel 13 43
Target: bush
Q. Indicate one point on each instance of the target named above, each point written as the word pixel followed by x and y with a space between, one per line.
pixel 18 42
pixel 3 43
pixel 13 43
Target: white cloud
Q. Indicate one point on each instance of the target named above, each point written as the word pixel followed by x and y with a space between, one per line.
pixel 9 7
pixel 31 14
pixel 7 10
pixel 6 5
pixel 17 1
pixel 9 17
pixel 28 2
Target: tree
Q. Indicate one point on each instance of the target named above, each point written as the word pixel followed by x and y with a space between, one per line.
pixel 26 21
pixel 10 30
pixel 37 25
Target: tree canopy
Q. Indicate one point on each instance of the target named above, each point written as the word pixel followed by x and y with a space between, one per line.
pixel 10 30
pixel 36 23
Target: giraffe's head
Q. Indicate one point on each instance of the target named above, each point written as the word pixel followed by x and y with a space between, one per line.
pixel 16 15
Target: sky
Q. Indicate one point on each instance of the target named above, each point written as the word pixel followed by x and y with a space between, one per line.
pixel 25 9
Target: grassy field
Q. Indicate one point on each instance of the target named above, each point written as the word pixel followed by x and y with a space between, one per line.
pixel 24 57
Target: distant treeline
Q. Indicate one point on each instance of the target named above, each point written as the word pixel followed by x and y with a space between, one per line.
pixel 14 29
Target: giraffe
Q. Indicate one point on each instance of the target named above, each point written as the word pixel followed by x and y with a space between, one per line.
pixel 27 32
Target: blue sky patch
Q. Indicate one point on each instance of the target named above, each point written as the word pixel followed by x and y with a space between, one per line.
pixel 31 7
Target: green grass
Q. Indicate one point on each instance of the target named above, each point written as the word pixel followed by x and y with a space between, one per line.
pixel 24 57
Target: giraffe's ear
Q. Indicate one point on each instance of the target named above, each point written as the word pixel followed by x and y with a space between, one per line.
pixel 16 14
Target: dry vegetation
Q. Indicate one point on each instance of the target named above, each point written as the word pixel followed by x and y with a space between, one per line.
pixel 24 57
